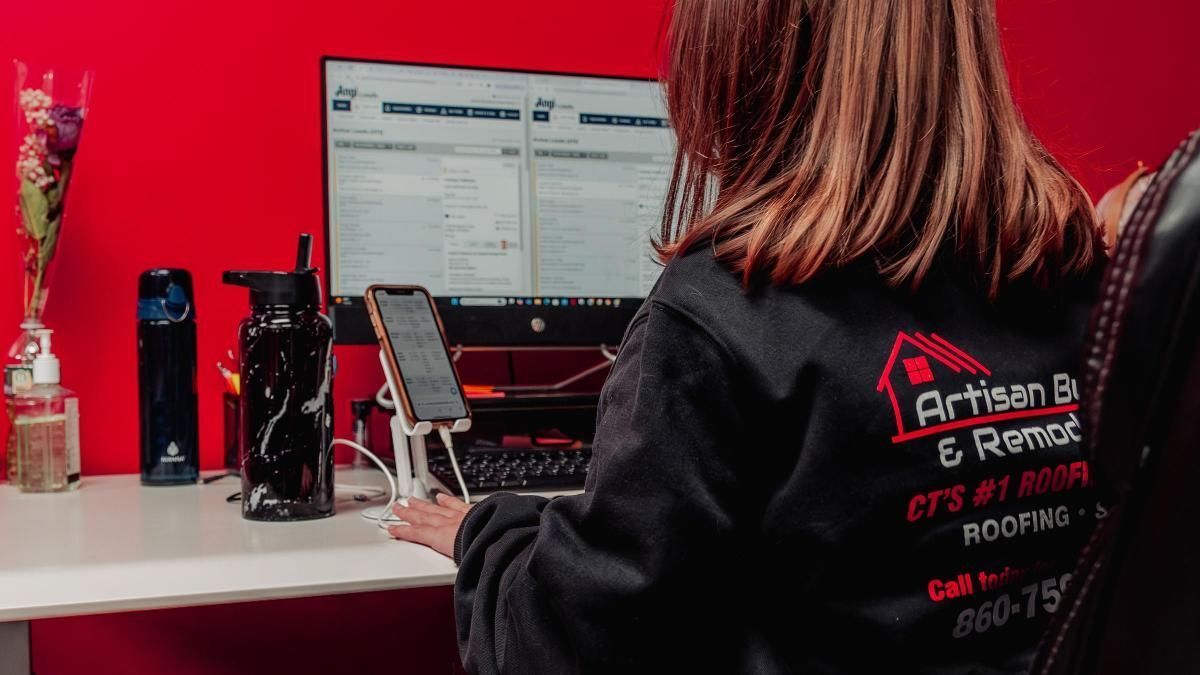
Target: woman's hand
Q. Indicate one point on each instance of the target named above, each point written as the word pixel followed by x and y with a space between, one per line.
pixel 434 525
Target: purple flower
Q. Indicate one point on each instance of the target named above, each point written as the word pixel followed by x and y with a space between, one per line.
pixel 63 137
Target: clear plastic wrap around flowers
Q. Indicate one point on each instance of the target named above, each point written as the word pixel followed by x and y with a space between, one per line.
pixel 51 106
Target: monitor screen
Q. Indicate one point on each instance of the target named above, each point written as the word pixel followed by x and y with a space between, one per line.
pixel 525 202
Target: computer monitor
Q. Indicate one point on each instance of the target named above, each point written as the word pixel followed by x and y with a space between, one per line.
pixel 525 202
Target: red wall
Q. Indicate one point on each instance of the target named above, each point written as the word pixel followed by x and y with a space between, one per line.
pixel 202 150
pixel 1105 83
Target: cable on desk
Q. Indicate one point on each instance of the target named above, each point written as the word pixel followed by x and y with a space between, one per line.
pixel 444 433
pixel 383 516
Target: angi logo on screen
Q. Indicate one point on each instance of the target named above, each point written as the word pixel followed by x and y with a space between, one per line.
pixel 545 103
pixel 346 92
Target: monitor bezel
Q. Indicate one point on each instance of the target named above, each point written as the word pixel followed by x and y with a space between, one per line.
pixel 507 327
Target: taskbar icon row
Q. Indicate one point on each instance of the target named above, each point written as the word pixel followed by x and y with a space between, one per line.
pixel 472 301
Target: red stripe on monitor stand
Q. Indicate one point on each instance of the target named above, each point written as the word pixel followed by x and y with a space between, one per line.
pixel 976 421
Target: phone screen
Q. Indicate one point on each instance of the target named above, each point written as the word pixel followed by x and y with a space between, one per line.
pixel 429 378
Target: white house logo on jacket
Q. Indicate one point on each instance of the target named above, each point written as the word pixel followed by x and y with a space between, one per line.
pixel 939 390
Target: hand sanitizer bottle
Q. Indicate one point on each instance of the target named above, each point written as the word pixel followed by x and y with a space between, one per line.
pixel 46 421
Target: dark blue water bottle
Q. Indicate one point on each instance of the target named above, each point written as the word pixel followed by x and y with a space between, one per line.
pixel 167 377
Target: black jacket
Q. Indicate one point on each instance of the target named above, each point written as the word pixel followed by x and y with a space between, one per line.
pixel 1138 613
pixel 837 477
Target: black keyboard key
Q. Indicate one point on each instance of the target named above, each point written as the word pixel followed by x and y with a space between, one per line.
pixel 551 482
pixel 529 470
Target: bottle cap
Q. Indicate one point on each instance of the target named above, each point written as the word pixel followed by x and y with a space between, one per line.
pixel 293 289
pixel 166 294
pixel 299 288
pixel 46 368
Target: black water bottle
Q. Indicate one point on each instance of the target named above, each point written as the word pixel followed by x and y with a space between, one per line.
pixel 166 334
pixel 286 364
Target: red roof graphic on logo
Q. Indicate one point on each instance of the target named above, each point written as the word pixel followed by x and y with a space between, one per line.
pixel 917 366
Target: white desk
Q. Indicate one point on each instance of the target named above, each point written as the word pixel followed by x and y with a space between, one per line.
pixel 115 546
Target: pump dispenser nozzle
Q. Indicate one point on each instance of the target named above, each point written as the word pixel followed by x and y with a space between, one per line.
pixel 43 336
pixel 46 367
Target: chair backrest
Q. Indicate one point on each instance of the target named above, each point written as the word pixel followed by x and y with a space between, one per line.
pixel 1134 602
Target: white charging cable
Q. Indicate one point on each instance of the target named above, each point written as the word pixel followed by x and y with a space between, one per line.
pixel 444 433
pixel 383 515
pixel 367 491
pixel 386 403
pixel 382 400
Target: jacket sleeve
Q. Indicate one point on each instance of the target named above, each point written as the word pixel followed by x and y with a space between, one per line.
pixel 608 580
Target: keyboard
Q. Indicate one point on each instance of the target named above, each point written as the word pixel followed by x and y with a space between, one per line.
pixel 524 470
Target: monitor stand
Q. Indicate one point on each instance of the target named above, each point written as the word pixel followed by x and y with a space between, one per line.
pixel 609 355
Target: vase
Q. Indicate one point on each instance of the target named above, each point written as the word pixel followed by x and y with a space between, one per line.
pixel 50 109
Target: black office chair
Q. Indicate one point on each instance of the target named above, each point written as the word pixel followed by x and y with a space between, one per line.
pixel 1134 602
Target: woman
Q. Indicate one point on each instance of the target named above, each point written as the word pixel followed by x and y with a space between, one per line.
pixel 841 434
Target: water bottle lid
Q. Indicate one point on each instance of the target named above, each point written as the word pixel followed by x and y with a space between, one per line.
pixel 298 289
pixel 166 294
pixel 295 290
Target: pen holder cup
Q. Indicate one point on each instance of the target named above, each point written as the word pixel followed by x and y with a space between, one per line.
pixel 233 424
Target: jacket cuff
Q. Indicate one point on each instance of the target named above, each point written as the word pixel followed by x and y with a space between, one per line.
pixel 462 528
pixel 498 512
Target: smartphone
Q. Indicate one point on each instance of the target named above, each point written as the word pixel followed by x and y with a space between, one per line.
pixel 415 350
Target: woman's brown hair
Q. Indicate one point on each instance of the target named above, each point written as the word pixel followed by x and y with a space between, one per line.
pixel 813 133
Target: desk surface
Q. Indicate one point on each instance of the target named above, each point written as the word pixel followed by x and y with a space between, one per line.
pixel 115 546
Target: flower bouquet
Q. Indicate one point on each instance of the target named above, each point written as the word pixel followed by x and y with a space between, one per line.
pixel 50 111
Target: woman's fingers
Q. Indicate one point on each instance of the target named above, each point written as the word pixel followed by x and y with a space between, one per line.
pixel 419 516
pixel 429 507
pixel 433 525
pixel 452 502
pixel 440 539
pixel 414 533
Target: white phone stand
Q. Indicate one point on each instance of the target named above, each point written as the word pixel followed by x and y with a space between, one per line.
pixel 412 467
